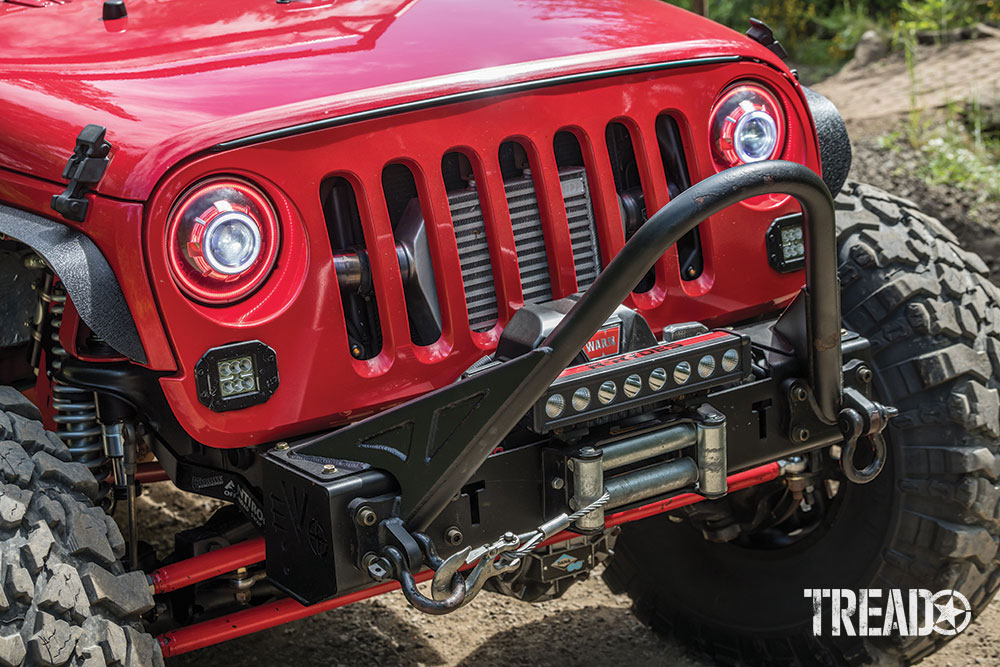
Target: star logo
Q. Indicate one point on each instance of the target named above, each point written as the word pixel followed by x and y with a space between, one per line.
pixel 954 613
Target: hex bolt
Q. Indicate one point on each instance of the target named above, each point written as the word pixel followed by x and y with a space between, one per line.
pixel 366 517
pixel 281 446
pixel 557 483
pixel 801 434
pixel 799 393
pixel 454 536
pixel 329 469
pixel 864 374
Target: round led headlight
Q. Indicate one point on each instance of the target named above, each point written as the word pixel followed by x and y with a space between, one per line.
pixel 222 241
pixel 231 242
pixel 747 126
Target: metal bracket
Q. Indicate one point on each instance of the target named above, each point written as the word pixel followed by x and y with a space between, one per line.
pixel 84 170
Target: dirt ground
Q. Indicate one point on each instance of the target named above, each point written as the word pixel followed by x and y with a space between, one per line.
pixel 589 626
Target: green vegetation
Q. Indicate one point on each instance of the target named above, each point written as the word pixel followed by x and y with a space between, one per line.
pixel 954 156
pixel 964 150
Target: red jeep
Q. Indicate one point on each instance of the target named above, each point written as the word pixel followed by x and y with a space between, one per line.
pixel 488 296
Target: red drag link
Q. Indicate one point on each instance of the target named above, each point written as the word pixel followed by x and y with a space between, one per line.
pixel 218 630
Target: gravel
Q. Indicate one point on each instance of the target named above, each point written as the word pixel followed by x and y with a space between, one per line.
pixel 975 222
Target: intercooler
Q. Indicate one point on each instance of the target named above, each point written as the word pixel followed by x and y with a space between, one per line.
pixel 529 242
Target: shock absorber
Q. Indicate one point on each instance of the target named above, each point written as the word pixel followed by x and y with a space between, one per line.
pixel 75 408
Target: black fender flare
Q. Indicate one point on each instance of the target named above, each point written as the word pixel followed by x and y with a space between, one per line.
pixel 85 274
pixel 835 151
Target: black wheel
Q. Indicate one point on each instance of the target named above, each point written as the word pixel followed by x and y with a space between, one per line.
pixel 64 596
pixel 929 521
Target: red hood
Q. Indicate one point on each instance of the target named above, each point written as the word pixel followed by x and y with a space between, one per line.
pixel 178 76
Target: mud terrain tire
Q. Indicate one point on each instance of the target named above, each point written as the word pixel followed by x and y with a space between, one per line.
pixel 65 598
pixel 932 518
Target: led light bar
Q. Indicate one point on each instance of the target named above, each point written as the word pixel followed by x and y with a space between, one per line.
pixel 635 379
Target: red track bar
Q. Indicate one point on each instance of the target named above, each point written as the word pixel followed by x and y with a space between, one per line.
pixel 248 621
pixel 193 570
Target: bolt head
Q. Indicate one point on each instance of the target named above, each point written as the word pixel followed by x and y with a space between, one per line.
pixel 557 483
pixel 799 393
pixel 366 516
pixel 329 469
pixel 864 374
pixel 454 536
pixel 281 446
pixel 801 434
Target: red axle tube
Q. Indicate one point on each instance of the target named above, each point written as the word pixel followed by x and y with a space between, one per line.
pixel 248 621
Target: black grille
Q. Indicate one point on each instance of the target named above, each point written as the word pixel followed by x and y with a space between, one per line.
pixel 529 241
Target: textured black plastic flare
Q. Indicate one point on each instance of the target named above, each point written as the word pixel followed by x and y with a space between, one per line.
pixel 687 211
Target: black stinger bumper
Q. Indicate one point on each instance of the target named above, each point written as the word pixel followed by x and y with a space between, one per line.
pixel 414 460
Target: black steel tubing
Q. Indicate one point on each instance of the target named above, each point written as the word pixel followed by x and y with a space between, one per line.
pixel 687 211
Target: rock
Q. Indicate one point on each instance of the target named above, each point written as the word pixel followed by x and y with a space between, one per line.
pixel 982 110
pixel 870 49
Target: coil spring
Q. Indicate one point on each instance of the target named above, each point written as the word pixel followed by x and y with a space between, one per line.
pixel 75 408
